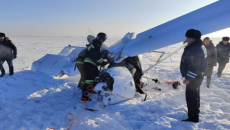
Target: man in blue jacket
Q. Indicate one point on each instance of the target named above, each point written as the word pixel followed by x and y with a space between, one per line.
pixel 193 65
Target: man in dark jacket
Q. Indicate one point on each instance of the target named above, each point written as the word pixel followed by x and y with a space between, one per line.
pixel 5 42
pixel 192 66
pixel 223 50
pixel 93 58
pixel 211 57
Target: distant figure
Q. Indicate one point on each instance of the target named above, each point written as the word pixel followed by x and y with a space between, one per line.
pixel 223 50
pixel 93 58
pixel 211 57
pixel 193 64
pixel 8 52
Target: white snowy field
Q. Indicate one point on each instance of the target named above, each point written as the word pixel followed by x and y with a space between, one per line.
pixel 34 101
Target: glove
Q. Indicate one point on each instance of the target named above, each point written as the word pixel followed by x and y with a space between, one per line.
pixel 105 53
pixel 107 62
pixel 15 56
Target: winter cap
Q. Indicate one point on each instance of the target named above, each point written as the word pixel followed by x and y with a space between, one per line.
pixel 192 33
pixel 101 36
pixel 2 34
pixel 225 39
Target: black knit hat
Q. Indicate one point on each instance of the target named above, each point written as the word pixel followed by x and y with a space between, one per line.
pixel 192 33
pixel 101 36
pixel 225 39
pixel 2 34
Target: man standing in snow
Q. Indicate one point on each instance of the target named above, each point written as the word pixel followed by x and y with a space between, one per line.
pixel 193 64
pixel 211 57
pixel 223 50
pixel 8 53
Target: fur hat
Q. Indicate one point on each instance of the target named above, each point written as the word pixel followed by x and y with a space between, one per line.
pixel 192 33
pixel 225 39
pixel 2 34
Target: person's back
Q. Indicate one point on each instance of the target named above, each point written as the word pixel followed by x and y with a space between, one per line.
pixel 10 46
pixel 93 54
pixel 5 55
pixel 5 52
pixel 80 61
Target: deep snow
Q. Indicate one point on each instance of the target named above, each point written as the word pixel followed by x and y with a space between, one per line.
pixel 33 101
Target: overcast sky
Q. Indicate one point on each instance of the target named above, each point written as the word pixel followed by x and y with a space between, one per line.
pixel 74 18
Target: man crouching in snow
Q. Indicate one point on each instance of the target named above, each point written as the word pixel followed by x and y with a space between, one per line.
pixel 6 54
pixel 193 65
pixel 93 58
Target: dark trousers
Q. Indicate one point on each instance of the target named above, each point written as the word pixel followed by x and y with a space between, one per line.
pixel 137 80
pixel 221 68
pixel 82 73
pixel 208 73
pixel 10 64
pixel 208 81
pixel 193 97
pixel 91 72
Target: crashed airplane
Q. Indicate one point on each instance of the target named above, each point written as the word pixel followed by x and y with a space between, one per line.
pixel 117 82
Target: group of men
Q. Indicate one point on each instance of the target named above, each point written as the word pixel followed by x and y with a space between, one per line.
pixel 218 54
pixel 197 61
pixel 195 65
pixel 8 52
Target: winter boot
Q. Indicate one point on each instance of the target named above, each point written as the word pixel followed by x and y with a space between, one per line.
pixel 219 74
pixel 2 75
pixel 140 91
pixel 85 96
pixel 3 72
pixel 86 93
pixel 195 120
pixel 11 70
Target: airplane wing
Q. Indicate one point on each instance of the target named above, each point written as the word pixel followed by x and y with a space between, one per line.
pixel 211 18
pixel 58 65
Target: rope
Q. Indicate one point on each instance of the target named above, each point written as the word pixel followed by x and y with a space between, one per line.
pixel 81 100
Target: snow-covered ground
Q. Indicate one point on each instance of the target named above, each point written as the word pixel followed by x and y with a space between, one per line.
pixel 34 101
